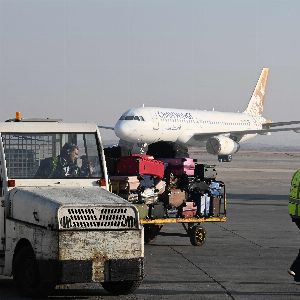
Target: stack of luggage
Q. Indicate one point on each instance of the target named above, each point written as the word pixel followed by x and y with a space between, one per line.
pixel 175 186
pixel 138 178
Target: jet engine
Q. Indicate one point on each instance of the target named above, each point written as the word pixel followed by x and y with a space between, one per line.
pixel 221 145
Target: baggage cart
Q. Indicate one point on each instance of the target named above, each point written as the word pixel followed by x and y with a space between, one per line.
pixel 190 200
pixel 192 225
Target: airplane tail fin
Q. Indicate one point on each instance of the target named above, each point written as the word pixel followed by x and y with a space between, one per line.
pixel 256 104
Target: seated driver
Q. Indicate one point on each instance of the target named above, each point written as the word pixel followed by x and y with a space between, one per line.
pixel 64 165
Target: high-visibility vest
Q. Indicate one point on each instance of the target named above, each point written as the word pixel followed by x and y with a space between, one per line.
pixel 294 203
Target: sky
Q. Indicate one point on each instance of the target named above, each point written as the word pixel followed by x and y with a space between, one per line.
pixel 89 61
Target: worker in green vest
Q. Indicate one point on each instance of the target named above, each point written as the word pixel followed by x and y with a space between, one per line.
pixel 294 211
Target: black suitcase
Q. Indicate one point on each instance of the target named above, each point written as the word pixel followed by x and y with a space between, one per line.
pixel 167 150
pixel 203 171
pixel 113 152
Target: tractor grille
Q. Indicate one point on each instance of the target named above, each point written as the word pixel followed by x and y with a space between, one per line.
pixel 107 217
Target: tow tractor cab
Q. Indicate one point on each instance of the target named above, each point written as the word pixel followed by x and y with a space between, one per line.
pixel 56 229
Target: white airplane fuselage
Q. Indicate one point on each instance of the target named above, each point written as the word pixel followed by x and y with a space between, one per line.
pixel 153 124
pixel 222 132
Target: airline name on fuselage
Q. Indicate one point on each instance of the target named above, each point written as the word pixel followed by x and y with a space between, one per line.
pixel 176 115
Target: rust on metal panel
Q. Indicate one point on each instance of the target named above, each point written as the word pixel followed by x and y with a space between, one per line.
pixel 100 246
pixel 98 266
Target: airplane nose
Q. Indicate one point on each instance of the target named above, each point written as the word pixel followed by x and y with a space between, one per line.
pixel 123 130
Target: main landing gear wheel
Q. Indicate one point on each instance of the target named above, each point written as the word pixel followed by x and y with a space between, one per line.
pixel 197 235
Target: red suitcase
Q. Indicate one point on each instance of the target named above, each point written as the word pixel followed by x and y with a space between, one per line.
pixel 179 166
pixel 140 165
pixel 189 210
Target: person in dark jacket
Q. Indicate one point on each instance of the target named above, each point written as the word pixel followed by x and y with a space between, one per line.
pixel 64 165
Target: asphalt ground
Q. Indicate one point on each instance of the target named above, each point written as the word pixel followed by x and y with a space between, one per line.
pixel 245 258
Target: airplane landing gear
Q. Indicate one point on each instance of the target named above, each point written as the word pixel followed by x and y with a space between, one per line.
pixel 225 158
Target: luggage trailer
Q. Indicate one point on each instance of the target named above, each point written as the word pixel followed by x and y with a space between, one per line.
pixel 193 226
pixel 124 181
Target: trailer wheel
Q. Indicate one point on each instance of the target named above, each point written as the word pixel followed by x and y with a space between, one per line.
pixel 121 287
pixel 197 235
pixel 26 274
pixel 150 232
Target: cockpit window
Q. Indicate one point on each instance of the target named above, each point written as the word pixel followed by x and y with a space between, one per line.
pixel 129 117
pixel 136 118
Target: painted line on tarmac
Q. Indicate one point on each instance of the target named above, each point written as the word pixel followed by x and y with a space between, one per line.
pixel 205 272
pixel 238 235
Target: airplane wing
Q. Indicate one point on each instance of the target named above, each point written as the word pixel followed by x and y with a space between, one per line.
pixel 240 133
pixel 276 124
pixel 106 127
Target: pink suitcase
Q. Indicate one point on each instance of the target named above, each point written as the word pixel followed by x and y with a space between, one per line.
pixel 176 197
pixel 179 166
pixel 189 210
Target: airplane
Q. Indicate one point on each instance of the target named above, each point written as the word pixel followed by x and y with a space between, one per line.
pixel 221 132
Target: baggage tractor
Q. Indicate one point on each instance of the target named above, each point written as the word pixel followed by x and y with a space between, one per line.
pixel 203 171
pixel 176 197
pixel 180 166
pixel 138 164
pixel 189 210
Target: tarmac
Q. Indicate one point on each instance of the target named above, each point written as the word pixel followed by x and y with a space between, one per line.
pixel 246 257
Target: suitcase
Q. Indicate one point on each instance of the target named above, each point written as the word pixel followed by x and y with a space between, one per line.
pixel 180 166
pixel 189 210
pixel 157 211
pixel 215 206
pixel 203 171
pixel 167 150
pixel 149 196
pixel 111 165
pixel 122 183
pixel 143 210
pixel 140 165
pixel 216 189
pixel 131 197
pixel 202 203
pixel 205 205
pixel 113 152
pixel 176 197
